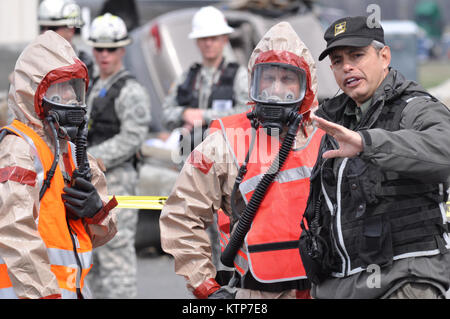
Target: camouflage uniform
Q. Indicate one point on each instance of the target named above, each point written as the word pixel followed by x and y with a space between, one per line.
pixel 114 275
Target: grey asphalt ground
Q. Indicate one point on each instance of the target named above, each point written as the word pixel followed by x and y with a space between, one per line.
pixel 157 279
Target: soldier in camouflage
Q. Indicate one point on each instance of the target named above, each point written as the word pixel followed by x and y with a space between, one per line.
pixel 119 117
pixel 217 87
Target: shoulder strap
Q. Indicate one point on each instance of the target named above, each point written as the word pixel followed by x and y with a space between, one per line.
pixel 185 91
pixel 114 91
pixel 392 111
pixel 223 88
pixel 228 74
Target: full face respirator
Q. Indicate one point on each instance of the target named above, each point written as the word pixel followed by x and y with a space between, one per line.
pixel 278 90
pixel 65 112
pixel 65 102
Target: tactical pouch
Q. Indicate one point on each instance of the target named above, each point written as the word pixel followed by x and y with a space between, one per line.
pixel 362 185
pixel 316 254
pixel 376 244
pixel 312 252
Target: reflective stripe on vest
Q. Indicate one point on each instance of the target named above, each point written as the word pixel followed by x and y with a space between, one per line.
pixel 6 289
pixel 270 250
pixel 223 223
pixel 52 224
pixel 286 176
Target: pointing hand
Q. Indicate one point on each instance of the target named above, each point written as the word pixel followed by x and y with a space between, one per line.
pixel 350 142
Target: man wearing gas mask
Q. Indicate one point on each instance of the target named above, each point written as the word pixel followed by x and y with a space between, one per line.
pixel 253 172
pixel 54 205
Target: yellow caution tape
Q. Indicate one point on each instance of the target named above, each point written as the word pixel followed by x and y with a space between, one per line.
pixel 157 202
pixel 141 202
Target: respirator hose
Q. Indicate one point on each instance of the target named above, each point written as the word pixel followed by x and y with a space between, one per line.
pixel 83 169
pixel 249 213
pixel 51 119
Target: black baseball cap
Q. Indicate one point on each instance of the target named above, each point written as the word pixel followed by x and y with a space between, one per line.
pixel 351 31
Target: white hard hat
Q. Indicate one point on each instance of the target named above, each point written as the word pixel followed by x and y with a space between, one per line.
pixel 108 31
pixel 209 22
pixel 59 13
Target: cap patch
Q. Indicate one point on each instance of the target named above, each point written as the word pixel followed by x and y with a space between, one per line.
pixel 340 28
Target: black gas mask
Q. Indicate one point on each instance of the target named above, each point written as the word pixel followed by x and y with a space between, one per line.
pixel 65 102
pixel 278 90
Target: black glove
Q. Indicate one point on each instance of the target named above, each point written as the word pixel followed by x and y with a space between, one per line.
pixel 81 200
pixel 223 293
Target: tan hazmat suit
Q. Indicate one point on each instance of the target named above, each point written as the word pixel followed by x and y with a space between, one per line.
pixel 198 193
pixel 21 246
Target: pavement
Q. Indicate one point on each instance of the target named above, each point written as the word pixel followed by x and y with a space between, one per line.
pixel 157 278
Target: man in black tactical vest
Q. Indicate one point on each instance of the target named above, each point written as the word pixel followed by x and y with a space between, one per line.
pixel 217 87
pixel 376 211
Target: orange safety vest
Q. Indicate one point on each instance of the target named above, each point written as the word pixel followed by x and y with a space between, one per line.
pixel 270 249
pixel 69 246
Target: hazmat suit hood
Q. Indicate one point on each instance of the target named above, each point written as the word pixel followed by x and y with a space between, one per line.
pixel 47 60
pixel 281 44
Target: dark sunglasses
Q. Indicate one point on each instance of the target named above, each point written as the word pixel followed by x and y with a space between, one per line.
pixel 107 49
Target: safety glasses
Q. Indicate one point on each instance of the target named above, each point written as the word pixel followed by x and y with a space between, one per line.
pixel 110 50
